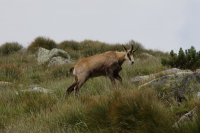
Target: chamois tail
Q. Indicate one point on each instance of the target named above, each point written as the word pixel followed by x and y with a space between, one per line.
pixel 71 69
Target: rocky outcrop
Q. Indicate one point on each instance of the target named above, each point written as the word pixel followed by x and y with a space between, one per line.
pixel 146 78
pixel 44 56
pixel 188 117
pixel 58 61
pixel 174 83
pixel 180 85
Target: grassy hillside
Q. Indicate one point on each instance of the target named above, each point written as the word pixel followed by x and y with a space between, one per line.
pixel 100 107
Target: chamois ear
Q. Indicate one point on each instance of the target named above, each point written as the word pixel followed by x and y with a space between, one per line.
pixel 124 48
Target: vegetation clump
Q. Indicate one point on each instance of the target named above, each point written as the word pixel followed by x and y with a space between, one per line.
pixel 8 48
pixel 190 59
pixel 59 72
pixel 9 72
pixel 41 42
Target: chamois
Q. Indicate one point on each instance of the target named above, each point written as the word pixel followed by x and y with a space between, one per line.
pixel 105 64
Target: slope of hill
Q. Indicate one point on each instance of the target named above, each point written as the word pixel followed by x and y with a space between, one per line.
pixel 100 107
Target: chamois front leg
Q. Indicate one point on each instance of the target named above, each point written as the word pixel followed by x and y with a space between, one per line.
pixel 118 78
pixel 113 73
pixel 111 77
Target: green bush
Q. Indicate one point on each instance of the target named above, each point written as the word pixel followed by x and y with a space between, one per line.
pixel 190 59
pixel 72 47
pixel 8 48
pixel 9 72
pixel 65 45
pixel 41 42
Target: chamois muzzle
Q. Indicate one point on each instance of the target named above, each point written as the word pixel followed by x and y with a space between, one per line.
pixel 132 62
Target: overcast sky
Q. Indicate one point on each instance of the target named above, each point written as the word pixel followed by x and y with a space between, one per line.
pixel 156 24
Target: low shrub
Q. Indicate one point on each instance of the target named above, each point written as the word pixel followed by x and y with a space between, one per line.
pixel 139 111
pixel 65 45
pixel 41 42
pixel 8 48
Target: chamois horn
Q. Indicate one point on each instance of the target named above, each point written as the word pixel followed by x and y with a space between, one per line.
pixel 136 49
pixel 124 48
pixel 131 47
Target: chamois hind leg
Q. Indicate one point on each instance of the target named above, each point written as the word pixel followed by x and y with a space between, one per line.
pixel 71 88
pixel 78 86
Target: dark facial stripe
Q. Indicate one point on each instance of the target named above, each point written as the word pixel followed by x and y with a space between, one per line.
pixel 128 55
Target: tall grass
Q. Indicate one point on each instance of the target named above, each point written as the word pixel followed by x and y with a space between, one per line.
pixel 9 72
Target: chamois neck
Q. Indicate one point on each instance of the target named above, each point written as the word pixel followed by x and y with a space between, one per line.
pixel 121 57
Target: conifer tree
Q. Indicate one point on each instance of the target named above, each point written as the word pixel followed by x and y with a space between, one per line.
pixel 190 59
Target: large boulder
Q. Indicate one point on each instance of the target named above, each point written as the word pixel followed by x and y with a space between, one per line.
pixel 181 85
pixel 198 71
pixel 146 78
pixel 58 61
pixel 44 55
pixel 38 89
pixel 146 55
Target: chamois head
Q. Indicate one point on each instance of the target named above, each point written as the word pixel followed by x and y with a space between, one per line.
pixel 130 53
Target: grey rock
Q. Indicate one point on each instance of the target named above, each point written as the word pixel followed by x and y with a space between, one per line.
pixel 147 55
pixel 198 94
pixel 45 55
pixel 38 89
pixel 180 85
pixel 198 71
pixel 58 61
pixel 188 117
pixel 143 79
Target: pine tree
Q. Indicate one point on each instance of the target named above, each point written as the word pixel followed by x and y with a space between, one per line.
pixel 190 59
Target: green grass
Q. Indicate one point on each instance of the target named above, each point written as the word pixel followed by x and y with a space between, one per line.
pixel 100 108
